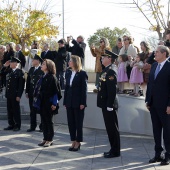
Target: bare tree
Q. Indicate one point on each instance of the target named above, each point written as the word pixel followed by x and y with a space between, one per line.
pixel 156 12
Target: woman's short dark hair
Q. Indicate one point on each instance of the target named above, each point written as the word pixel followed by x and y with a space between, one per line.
pixel 50 66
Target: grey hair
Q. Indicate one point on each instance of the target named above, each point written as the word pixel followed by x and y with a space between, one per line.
pixel 19 46
pixel 163 49
pixel 3 46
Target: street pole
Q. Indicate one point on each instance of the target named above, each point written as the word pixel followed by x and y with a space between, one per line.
pixel 63 16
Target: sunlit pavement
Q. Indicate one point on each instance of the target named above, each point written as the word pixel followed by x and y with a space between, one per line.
pixel 19 151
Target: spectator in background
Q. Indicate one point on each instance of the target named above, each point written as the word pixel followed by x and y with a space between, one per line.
pixel 119 44
pixel 60 62
pixel 47 54
pixel 128 47
pixel 98 52
pixel 20 55
pixel 78 47
pixel 10 51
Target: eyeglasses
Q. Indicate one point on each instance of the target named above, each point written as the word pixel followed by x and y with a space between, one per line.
pixel 101 41
pixel 125 39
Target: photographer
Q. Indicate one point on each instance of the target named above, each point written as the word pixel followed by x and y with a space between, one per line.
pixel 78 47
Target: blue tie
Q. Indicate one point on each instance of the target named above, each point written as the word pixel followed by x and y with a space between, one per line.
pixel 157 70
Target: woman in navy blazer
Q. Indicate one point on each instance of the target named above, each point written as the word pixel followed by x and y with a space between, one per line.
pixel 75 96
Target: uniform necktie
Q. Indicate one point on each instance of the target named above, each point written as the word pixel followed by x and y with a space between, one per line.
pixel 157 70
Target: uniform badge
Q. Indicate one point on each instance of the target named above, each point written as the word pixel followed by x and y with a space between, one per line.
pixel 103 77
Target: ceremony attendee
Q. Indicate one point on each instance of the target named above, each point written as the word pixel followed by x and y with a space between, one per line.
pixel 106 100
pixel 47 54
pixel 158 103
pixel 122 72
pixel 60 61
pixel 10 51
pixel 29 55
pixel 46 96
pixel 98 52
pixel 136 76
pixel 19 54
pixel 78 47
pixel 34 74
pixel 128 47
pixel 75 96
pixel 119 44
pixel 14 90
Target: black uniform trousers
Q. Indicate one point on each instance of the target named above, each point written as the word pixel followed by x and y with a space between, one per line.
pixel 111 123
pixel 75 118
pixel 33 115
pixel 14 112
pixel 161 121
pixel 47 123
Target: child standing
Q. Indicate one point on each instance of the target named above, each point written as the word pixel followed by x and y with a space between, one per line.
pixel 136 76
pixel 122 74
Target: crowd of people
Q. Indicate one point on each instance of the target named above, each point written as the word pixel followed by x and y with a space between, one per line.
pixel 43 76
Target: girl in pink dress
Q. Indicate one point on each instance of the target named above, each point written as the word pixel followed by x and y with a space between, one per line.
pixel 122 75
pixel 136 76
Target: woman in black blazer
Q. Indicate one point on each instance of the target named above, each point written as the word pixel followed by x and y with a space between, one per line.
pixel 75 96
pixel 46 96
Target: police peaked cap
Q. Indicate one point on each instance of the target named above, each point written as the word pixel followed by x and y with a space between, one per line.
pixel 110 54
pixel 37 57
pixel 14 59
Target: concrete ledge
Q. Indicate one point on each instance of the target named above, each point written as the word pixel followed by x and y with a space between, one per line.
pixel 132 115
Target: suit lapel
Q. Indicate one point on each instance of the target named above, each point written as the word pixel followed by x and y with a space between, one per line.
pixel 75 77
pixel 161 71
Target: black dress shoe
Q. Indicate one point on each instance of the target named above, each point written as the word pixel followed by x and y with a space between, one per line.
pixel 30 130
pixel 112 155
pixel 70 148
pixel 166 161
pixel 42 143
pixel 76 149
pixel 9 128
pixel 106 153
pixel 16 129
pixel 157 159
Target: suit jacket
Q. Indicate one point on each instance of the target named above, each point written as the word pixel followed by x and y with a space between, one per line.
pixel 107 89
pixel 14 82
pixel 60 59
pixel 7 56
pixel 22 58
pixel 158 90
pixel 48 55
pixel 75 95
pixel 77 48
pixel 33 77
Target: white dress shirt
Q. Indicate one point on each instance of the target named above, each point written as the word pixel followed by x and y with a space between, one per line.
pixel 72 77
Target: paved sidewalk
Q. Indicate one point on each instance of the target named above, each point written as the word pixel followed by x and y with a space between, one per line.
pixel 19 151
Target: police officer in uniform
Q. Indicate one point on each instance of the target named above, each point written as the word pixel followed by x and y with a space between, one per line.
pixel 34 75
pixel 14 89
pixel 106 100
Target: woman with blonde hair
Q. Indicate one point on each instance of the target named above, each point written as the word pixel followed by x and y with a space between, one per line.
pixel 98 52
pixel 47 93
pixel 75 96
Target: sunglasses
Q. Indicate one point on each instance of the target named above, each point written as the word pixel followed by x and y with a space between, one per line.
pixel 101 41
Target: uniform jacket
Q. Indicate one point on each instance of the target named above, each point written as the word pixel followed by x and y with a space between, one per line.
pixel 107 88
pixel 75 95
pixel 158 90
pixel 77 48
pixel 60 59
pixel 14 82
pixel 97 52
pixel 48 55
pixel 33 77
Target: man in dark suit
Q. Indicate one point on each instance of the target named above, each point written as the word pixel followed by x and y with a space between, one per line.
pixel 34 75
pixel 78 47
pixel 47 54
pixel 14 89
pixel 158 103
pixel 20 55
pixel 60 62
pixel 106 100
